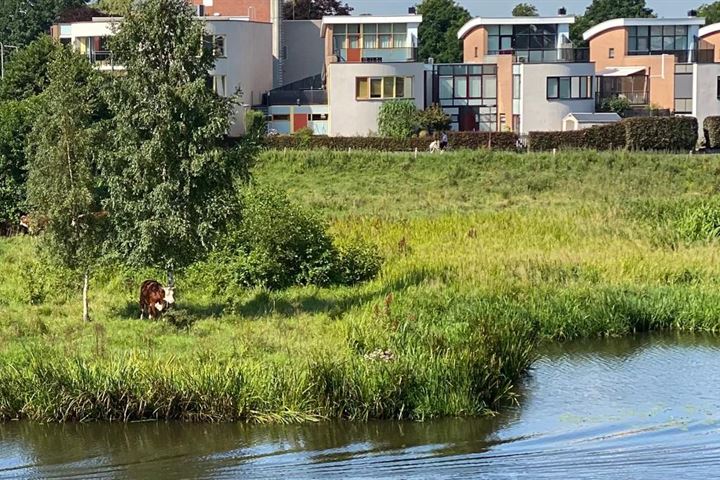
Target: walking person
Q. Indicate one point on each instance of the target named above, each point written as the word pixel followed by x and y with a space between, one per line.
pixel 443 141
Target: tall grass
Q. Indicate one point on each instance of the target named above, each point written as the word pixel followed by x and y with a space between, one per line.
pixel 486 254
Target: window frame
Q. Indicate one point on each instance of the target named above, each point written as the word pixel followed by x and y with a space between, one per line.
pixel 385 81
pixel 575 85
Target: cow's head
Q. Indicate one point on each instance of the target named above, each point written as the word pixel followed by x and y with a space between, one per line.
pixel 169 295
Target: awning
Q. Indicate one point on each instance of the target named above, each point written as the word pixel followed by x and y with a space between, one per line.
pixel 620 71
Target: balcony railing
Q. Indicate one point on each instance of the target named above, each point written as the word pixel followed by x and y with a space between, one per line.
pixel 102 59
pixel 555 55
pixel 699 55
pixel 376 55
pixel 295 97
pixel 634 98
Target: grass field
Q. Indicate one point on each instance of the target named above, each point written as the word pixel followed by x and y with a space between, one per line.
pixel 485 255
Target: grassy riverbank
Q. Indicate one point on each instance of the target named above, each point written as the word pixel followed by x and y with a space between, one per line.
pixel 485 255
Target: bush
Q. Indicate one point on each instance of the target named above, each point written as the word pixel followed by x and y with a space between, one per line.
pixel 619 105
pixel 433 119
pixel 605 137
pixel 397 118
pixel 661 133
pixel 711 126
pixel 255 124
pixel 645 133
pixel 457 140
pixel 278 244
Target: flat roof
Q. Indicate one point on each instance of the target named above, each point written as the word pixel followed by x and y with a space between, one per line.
pixel 360 19
pixel 600 117
pixel 479 21
pixel 640 22
pixel 708 29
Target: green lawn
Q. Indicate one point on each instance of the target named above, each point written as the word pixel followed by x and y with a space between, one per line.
pixel 485 255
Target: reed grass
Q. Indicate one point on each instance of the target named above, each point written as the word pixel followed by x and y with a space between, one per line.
pixel 486 254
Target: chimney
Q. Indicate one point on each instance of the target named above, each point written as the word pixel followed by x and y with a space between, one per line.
pixel 412 10
pixel 562 11
pixel 692 13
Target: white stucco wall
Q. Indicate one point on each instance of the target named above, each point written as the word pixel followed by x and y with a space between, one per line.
pixel 352 117
pixel 705 101
pixel 537 113
pixel 248 64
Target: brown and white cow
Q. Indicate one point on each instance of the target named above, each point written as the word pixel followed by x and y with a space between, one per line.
pixel 154 299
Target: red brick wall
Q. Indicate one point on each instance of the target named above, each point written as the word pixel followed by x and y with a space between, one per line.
pixel 257 10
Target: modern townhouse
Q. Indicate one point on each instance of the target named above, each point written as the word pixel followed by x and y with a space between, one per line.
pixel 519 73
pixel 660 63
pixel 242 47
pixel 366 60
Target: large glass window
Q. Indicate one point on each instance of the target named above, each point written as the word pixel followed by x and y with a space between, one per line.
pixel 383 87
pixel 521 37
pixel 655 40
pixel 569 88
pixel 370 35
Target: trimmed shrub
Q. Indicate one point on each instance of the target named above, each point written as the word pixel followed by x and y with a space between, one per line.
pixel 255 124
pixel 661 133
pixel 433 119
pixel 605 137
pixel 711 126
pixel 457 140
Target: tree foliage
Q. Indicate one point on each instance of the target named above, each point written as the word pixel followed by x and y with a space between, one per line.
pixel 525 10
pixel 602 10
pixel 438 31
pixel 21 21
pixel 115 7
pixel 314 9
pixel 26 72
pixel 63 177
pixel 710 11
pixel 397 119
pixel 170 178
pixel 433 119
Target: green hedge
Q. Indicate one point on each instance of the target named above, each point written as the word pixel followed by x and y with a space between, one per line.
pixel 643 133
pixel 457 140
pixel 661 133
pixel 605 137
pixel 711 126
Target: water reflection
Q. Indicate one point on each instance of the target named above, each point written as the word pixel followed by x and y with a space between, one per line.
pixel 648 404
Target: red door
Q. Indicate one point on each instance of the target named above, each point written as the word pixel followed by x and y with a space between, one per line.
pixel 300 120
pixel 354 54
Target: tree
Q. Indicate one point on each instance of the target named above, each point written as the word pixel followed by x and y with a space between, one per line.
pixel 438 31
pixel 26 73
pixel 21 21
pixel 525 10
pixel 170 177
pixel 114 7
pixel 63 171
pixel 314 9
pixel 602 10
pixel 397 119
pixel 711 12
pixel 434 119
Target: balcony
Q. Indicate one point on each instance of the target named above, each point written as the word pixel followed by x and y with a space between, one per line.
pixel 295 97
pixel 376 55
pixel 636 99
pixel 103 60
pixel 699 55
pixel 555 55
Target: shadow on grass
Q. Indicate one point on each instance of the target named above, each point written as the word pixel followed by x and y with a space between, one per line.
pixel 266 303
pixel 131 310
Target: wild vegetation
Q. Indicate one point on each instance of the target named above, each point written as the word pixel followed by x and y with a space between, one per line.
pixel 484 255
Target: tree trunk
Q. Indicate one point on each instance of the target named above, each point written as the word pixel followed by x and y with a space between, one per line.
pixel 86 285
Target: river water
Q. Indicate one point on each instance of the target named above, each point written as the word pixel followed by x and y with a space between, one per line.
pixel 644 407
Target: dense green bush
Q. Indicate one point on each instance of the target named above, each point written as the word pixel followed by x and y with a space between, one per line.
pixel 457 140
pixel 643 133
pixel 661 133
pixel 255 124
pixel 433 119
pixel 711 126
pixel 397 118
pixel 606 137
pixel 277 244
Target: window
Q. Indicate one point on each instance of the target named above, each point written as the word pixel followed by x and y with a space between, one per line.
pixel 521 37
pixel 569 88
pixel 216 44
pixel 656 40
pixel 718 88
pixel 516 87
pixel 281 118
pixel 611 53
pixel 317 117
pixel 370 36
pixel 219 85
pixel 459 83
pixel 383 87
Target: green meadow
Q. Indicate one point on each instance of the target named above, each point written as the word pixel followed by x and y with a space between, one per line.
pixel 485 255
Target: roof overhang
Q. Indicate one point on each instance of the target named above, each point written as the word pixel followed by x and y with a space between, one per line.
pixel 481 21
pixel 640 22
pixel 709 29
pixel 357 20
pixel 619 71
pixel 600 117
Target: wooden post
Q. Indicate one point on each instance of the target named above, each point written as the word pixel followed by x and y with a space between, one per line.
pixel 86 285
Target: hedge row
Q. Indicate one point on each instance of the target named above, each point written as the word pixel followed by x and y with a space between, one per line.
pixel 643 133
pixel 711 126
pixel 457 140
